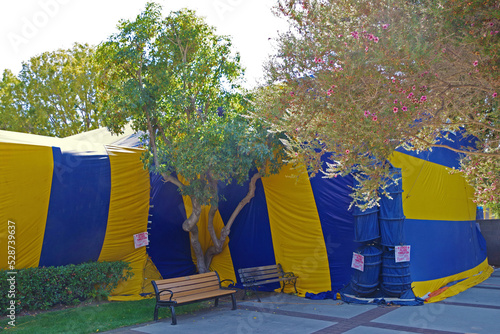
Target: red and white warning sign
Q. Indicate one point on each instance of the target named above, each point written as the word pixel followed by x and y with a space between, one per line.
pixel 402 253
pixel 141 239
pixel 358 261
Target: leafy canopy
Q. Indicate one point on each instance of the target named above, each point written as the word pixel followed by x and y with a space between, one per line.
pixel 360 78
pixel 178 81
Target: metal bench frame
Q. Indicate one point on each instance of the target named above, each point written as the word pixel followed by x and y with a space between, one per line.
pixel 189 289
pixel 253 277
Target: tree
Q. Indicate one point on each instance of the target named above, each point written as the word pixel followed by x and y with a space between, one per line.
pixel 10 109
pixel 177 81
pixel 54 94
pixel 361 78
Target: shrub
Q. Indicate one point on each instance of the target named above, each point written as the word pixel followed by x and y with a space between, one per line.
pixel 41 288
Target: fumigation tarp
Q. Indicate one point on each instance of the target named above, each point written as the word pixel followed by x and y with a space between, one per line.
pixel 83 198
pixel 73 202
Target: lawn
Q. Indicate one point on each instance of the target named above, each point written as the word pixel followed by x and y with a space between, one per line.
pixel 93 318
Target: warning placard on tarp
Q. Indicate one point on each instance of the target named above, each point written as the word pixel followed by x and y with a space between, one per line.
pixel 141 239
pixel 402 253
pixel 358 261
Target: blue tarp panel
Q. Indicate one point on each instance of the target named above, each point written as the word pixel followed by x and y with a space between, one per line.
pixel 169 247
pixel 337 222
pixel 443 156
pixel 78 210
pixel 250 240
pixel 435 255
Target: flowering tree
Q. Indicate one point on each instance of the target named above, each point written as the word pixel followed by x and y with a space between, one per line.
pixel 361 78
pixel 176 80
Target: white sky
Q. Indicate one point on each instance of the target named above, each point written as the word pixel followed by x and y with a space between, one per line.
pixel 30 27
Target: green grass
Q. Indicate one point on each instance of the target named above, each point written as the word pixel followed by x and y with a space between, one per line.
pixel 93 318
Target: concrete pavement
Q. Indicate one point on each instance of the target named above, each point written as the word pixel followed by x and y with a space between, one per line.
pixel 476 310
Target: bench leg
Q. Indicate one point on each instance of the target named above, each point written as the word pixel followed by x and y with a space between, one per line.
pixel 295 286
pixel 216 301
pixel 156 313
pixel 233 297
pixel 258 298
pixel 174 318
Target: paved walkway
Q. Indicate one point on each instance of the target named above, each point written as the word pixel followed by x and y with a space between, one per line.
pixel 476 310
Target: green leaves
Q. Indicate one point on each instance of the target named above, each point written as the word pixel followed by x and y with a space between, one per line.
pixel 54 94
pixel 177 81
pixel 359 79
pixel 42 288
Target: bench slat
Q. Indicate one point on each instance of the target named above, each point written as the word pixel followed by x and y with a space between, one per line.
pixel 183 294
pixel 193 291
pixel 262 276
pixel 260 272
pixel 193 282
pixel 265 282
pixel 257 269
pixel 186 278
pixel 205 295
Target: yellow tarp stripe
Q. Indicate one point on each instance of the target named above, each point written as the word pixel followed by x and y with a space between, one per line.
pixel 470 278
pixel 223 262
pixel 296 231
pixel 128 215
pixel 25 183
pixel 430 192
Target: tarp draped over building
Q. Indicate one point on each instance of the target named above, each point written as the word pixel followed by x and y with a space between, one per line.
pixel 83 198
pixel 73 202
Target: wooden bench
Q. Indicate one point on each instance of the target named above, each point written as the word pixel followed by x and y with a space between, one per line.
pixel 189 289
pixel 251 278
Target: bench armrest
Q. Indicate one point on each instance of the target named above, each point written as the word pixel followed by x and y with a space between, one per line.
pixel 229 280
pixel 289 275
pixel 165 290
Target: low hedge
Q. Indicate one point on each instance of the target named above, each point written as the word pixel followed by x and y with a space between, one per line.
pixel 41 288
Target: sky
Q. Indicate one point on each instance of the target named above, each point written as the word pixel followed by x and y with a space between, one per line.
pixel 31 27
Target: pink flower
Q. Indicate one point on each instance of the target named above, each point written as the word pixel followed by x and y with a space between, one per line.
pixel 385 26
pixel 366 49
pixel 292 93
pixel 355 34
pixel 494 94
pixel 347 151
pixel 341 35
pixel 423 98
pixel 409 96
pixel 370 37
pixel 395 109
pixel 404 108
pixel 491 24
pixel 376 39
pixel 413 87
pixel 333 86
pixel 374 118
pixel 475 63
pixel 395 101
pixel 367 113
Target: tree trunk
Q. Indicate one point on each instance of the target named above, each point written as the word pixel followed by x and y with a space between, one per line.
pixel 219 242
pixel 198 251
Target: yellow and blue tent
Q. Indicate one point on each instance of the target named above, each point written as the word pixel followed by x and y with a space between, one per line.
pixel 306 225
pixel 73 201
pixel 83 198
